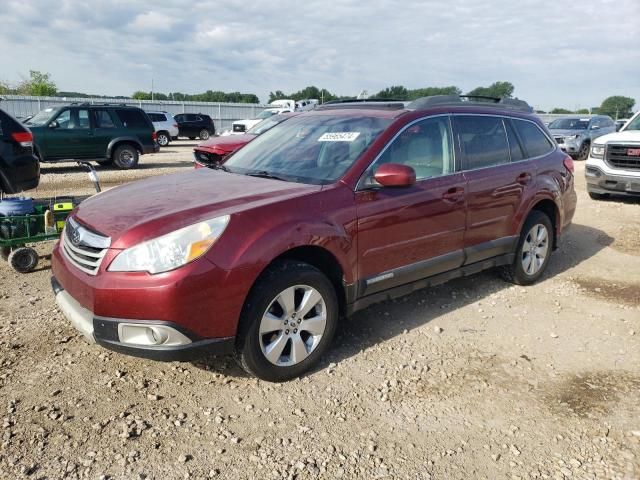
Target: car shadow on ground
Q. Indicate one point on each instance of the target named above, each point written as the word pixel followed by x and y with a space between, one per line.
pixel 383 321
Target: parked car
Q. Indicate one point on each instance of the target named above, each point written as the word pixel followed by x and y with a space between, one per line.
pixel 240 127
pixel 575 134
pixel 322 215
pixel 194 125
pixel 620 123
pixel 19 167
pixel 107 133
pixel 166 127
pixel 613 165
pixel 215 151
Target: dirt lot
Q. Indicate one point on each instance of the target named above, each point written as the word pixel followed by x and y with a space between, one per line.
pixel 473 379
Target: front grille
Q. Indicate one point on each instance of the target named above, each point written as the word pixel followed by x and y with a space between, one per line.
pixel 559 139
pixel 238 127
pixel 82 247
pixel 618 156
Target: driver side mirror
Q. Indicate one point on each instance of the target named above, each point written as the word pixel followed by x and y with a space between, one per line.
pixel 395 175
pixel 54 124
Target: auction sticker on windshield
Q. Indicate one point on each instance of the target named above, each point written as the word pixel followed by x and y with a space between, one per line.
pixel 339 137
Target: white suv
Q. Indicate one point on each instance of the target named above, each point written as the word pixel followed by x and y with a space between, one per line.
pixel 613 165
pixel 165 125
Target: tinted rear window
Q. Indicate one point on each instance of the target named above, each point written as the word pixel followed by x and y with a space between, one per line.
pixel 535 142
pixel 9 125
pixel 157 117
pixel 483 140
pixel 133 118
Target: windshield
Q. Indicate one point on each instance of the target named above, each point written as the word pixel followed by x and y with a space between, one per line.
pixel 266 124
pixel 40 118
pixel 266 114
pixel 634 124
pixel 569 124
pixel 315 149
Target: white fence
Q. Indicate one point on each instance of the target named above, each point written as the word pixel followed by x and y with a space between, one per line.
pixel 223 114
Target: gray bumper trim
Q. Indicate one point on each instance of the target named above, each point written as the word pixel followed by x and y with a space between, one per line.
pixel 607 183
pixel 80 317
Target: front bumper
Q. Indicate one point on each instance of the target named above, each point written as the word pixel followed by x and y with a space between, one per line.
pixel 109 333
pixel 601 179
pixel 572 147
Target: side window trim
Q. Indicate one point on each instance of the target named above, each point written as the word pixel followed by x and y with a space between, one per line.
pixel 360 185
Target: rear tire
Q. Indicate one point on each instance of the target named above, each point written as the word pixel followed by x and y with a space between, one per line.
pixel 533 252
pixel 23 259
pixel 125 157
pixel 163 139
pixel 287 322
pixel 204 134
pixel 598 196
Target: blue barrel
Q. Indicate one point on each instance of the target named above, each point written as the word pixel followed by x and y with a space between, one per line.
pixel 10 207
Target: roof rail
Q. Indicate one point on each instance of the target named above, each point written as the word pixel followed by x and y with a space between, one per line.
pixel 482 100
pixel 370 103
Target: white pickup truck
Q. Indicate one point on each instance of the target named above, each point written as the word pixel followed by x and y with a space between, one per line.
pixel 613 166
pixel 274 108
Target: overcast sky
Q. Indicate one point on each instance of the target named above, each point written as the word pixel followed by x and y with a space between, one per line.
pixel 556 53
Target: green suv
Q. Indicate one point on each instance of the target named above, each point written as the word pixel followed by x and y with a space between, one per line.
pixel 108 133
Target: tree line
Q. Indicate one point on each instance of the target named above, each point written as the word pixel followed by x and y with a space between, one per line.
pixel 41 84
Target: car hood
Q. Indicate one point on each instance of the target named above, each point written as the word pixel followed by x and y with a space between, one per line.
pixel 149 208
pixel 565 133
pixel 626 136
pixel 226 143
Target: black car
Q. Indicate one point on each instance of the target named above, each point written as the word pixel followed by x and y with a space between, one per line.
pixel 19 167
pixel 107 133
pixel 194 125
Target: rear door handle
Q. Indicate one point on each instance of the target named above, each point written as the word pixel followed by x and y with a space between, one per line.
pixel 453 194
pixel 523 178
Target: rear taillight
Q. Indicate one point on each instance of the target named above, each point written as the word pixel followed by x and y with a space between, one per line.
pixel 568 163
pixel 25 139
pixel 154 136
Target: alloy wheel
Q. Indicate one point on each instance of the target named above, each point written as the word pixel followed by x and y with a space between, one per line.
pixel 535 249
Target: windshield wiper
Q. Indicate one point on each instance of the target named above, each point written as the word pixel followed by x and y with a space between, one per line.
pixel 264 174
pixel 218 166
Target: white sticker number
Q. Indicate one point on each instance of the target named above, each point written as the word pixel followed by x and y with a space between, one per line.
pixel 339 137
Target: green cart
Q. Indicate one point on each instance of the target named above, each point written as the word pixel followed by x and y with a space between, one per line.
pixel 19 233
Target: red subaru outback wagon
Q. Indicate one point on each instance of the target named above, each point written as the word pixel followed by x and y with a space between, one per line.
pixel 324 214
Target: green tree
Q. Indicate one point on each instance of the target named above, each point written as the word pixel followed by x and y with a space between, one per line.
pixel 395 92
pixel 140 95
pixel 277 95
pixel 430 91
pixel 617 106
pixel 561 110
pixel 38 85
pixel 582 111
pixel 496 89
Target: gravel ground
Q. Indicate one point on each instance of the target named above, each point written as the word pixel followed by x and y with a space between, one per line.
pixel 473 379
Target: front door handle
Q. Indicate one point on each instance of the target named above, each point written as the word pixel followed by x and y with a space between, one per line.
pixel 453 194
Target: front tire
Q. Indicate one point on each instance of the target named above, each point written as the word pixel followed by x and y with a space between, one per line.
pixel 583 153
pixel 533 252
pixel 287 322
pixel 125 157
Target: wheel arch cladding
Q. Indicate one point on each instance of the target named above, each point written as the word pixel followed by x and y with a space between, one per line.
pixel 116 142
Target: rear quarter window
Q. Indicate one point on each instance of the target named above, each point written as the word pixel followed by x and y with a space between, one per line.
pixel 133 118
pixel 535 142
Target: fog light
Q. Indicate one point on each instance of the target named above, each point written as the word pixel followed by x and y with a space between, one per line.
pixel 150 335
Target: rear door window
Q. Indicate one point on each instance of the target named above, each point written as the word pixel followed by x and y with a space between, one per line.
pixel 103 119
pixel 132 118
pixel 483 140
pixel 535 142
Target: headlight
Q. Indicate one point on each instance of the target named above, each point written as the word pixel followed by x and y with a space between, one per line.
pixel 597 151
pixel 172 250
